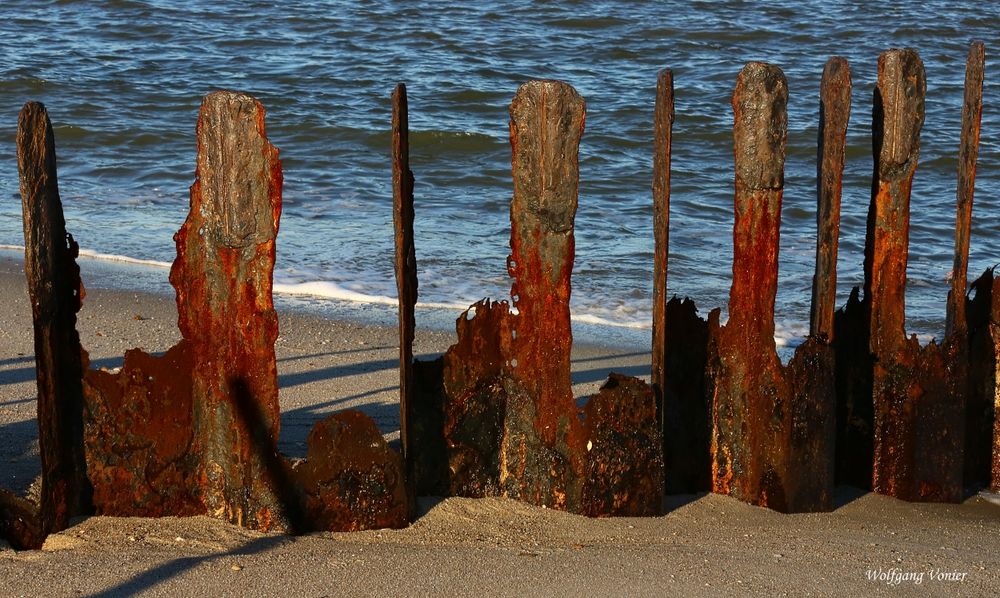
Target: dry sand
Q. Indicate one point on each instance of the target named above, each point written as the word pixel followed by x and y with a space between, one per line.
pixel 705 545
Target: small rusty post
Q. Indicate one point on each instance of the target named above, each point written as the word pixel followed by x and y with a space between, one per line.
pixel 56 294
pixel 834 113
pixel 663 121
pixel 546 124
pixel 747 375
pixel 222 275
pixel 406 273
pixel 958 341
pixel 968 153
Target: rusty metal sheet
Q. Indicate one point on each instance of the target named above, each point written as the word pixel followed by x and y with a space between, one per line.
pixel 351 479
pixel 140 440
pixel 772 427
pixel 918 430
pixel 476 382
pixel 687 408
pixel 56 293
pixel 406 270
pixel 663 120
pixel 222 275
pixel 834 114
pixel 624 451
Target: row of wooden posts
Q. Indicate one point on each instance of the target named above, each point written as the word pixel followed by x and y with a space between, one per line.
pixel 194 431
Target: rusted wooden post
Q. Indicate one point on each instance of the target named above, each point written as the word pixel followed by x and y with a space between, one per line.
pixel 406 272
pixel 919 400
pixel 958 342
pixel 834 113
pixel 898 116
pixel 546 124
pixel 56 294
pixel 747 376
pixel 662 130
pixel 225 260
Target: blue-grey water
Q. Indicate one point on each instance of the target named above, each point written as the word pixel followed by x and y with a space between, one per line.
pixel 123 81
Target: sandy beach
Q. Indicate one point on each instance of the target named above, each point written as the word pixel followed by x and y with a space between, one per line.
pixel 704 545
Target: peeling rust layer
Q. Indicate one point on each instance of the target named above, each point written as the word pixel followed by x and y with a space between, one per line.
pixel 476 380
pixel 546 123
pixel 406 268
pixel 834 114
pixel 351 479
pixel 225 260
pixel 56 293
pixel 663 123
pixel 773 426
pixel 140 436
pixel 625 451
pixel 687 408
pixel 918 392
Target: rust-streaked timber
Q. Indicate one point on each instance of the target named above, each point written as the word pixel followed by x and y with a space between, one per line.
pixel 546 123
pixel 406 272
pixel 918 431
pixel 624 451
pixel 834 114
pixel 772 426
pixel 222 275
pixel 662 130
pixel 56 294
pixel 747 375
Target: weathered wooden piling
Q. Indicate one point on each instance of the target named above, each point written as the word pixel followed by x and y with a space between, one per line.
pixel 662 131
pixel 56 294
pixel 406 272
pixel 772 441
pixel 918 431
pixel 962 350
pixel 747 377
pixel 546 123
pixel 225 260
pixel 834 114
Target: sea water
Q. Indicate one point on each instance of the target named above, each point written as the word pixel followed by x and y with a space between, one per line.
pixel 123 81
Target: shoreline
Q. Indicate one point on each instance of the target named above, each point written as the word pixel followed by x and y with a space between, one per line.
pixel 704 545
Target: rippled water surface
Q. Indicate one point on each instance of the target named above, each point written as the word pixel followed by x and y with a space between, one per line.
pixel 123 81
